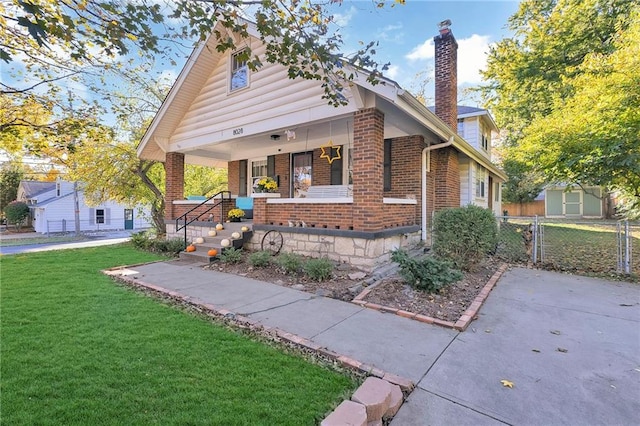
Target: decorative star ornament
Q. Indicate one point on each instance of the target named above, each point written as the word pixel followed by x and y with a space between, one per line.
pixel 330 156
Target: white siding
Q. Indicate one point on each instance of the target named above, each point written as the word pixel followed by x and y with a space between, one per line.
pixel 215 113
pixel 465 182
pixel 59 216
pixel 470 134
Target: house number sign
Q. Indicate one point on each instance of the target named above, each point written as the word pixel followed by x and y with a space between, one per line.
pixel 238 131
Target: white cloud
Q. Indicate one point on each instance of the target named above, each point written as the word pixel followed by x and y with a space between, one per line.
pixel 422 51
pixel 343 19
pixel 472 56
pixel 391 33
pixel 392 72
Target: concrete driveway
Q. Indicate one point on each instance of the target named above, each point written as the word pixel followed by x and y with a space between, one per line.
pixel 570 345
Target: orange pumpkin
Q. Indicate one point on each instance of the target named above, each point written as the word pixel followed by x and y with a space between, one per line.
pixel 212 252
pixel 191 248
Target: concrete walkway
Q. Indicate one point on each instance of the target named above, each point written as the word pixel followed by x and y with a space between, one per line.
pixel 570 345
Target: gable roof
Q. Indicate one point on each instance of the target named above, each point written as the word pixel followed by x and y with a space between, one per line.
pixel 400 106
pixel 34 187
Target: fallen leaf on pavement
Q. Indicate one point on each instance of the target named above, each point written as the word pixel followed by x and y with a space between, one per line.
pixel 563 350
pixel 507 384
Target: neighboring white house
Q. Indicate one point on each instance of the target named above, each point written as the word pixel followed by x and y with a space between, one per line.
pixel 52 207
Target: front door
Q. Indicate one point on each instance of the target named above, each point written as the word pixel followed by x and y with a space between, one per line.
pixel 128 218
pixel 301 173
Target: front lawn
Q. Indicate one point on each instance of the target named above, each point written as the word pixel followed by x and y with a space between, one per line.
pixel 79 349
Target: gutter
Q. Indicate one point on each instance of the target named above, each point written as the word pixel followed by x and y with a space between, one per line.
pixel 423 188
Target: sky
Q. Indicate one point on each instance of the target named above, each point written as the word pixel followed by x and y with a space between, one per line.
pixel 405 34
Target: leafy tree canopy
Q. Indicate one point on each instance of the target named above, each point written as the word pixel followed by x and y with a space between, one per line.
pixel 565 90
pixel 300 34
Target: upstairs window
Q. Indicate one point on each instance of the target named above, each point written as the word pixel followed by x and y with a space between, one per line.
pixel 485 138
pixel 460 126
pixel 239 72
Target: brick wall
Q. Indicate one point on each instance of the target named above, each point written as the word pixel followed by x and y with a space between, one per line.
pixel 174 184
pixel 406 168
pixel 233 177
pixel 446 79
pixel 328 216
pixel 283 167
pixel 447 178
pixel 321 169
pixel 368 156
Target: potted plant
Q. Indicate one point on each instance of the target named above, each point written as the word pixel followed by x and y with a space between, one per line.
pixel 266 184
pixel 235 215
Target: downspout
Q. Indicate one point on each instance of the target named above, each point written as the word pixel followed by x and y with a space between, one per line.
pixel 424 182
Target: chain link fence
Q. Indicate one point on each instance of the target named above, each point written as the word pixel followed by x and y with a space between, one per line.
pixel 64 226
pixel 584 247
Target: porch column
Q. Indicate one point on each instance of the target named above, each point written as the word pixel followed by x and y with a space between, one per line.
pixel 174 185
pixel 368 171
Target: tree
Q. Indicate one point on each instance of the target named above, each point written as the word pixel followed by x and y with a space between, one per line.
pixel 565 90
pixel 532 71
pixel 594 135
pixel 524 184
pixel 17 213
pixel 10 177
pixel 300 35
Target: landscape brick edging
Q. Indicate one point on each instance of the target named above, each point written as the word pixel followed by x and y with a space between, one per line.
pixel 461 324
pixel 273 333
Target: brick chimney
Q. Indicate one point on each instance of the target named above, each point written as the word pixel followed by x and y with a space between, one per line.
pixel 446 63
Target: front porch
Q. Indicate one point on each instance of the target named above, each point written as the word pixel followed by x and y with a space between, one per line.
pixel 314 227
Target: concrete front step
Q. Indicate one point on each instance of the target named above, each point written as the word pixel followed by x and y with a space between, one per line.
pixel 201 253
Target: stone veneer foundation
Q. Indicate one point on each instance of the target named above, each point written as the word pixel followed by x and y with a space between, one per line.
pixel 360 249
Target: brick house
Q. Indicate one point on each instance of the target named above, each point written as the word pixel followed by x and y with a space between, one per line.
pixel 391 161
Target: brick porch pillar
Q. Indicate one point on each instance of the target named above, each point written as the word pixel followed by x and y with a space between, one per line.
pixel 174 185
pixel 368 157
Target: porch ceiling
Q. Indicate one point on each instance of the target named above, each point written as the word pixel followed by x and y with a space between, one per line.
pixel 307 137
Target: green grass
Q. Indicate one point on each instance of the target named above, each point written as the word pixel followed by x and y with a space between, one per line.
pixel 584 248
pixel 79 349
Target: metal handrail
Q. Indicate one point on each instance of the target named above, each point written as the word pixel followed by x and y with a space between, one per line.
pixel 187 222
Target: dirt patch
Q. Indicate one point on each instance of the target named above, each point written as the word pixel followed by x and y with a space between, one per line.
pixel 448 304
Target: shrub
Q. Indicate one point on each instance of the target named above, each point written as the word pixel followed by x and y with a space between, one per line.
pixel 170 246
pixel 427 273
pixel 147 240
pixel 290 263
pixel 141 240
pixel 319 269
pixel 260 259
pixel 231 255
pixel 464 235
pixel 17 213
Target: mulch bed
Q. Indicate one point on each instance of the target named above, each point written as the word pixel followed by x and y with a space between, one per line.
pixel 448 304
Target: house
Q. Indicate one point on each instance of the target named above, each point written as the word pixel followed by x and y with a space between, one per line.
pixel 354 182
pixel 52 206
